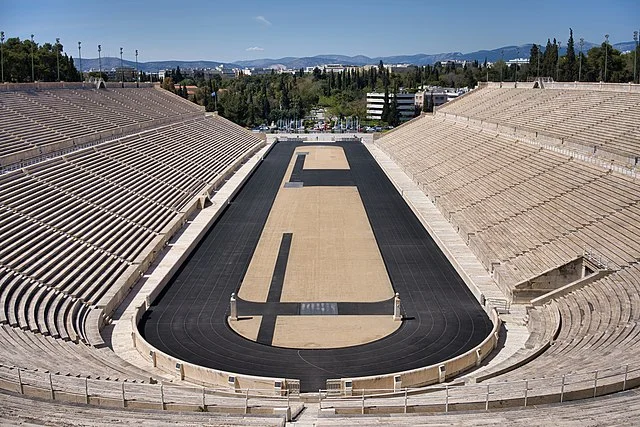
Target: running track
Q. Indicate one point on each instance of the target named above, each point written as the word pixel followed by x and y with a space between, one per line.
pixel 443 319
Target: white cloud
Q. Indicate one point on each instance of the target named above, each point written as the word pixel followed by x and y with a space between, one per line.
pixel 264 21
pixel 254 49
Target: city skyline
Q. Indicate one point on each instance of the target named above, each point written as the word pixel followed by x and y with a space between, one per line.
pixel 231 32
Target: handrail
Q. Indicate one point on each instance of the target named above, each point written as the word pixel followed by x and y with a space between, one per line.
pixel 114 393
pixel 516 393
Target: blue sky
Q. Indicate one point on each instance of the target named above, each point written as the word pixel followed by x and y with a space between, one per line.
pixel 228 30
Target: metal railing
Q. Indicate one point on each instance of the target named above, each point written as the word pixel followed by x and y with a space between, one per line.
pixel 114 393
pixel 502 305
pixel 441 398
pixel 598 259
pixel 484 396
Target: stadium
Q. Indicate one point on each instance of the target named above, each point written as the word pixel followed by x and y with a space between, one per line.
pixel 161 264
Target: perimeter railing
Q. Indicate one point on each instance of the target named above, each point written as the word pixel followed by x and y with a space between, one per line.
pixel 441 398
pixel 517 393
pixel 128 394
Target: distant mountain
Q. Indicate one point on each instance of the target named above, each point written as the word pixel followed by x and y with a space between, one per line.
pixel 510 52
pixel 309 61
pixel 507 53
pixel 109 63
pixel 625 46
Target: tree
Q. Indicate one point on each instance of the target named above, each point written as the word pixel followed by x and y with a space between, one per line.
pixel 549 58
pixel 167 84
pixel 470 79
pixel 210 104
pixel 570 69
pixel 385 106
pixel 393 118
pixel 266 107
pixel 250 100
pixel 534 59
pixel 177 75
pixel 634 63
pixel 17 61
pixel 234 107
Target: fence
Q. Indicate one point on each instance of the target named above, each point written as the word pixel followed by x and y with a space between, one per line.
pixel 486 396
pixel 125 394
pixel 599 260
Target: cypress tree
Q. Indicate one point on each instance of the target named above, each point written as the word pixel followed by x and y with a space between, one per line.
pixel 393 117
pixel 553 61
pixel 385 106
pixel 570 71
pixel 534 59
pixel 546 59
pixel 178 75
pixel 266 107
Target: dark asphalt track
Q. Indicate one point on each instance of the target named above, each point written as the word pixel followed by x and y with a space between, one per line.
pixel 443 319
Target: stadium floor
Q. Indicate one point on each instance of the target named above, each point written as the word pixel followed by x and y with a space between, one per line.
pixel 442 318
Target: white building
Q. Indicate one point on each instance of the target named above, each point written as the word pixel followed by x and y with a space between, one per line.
pixel 398 68
pixel 335 68
pixel 435 96
pixel 519 61
pixel 406 105
pixel 225 71
pixel 432 98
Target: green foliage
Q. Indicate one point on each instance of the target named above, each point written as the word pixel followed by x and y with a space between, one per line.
pixel 569 65
pixel 393 117
pixel 168 84
pixel 177 75
pixel 550 59
pixel 593 69
pixel 263 99
pixel 384 116
pixel 619 66
pixel 534 61
pixel 19 55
